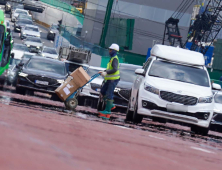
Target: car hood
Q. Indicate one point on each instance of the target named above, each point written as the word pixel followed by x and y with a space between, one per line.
pixel 18 54
pixel 179 87
pixel 43 73
pixel 33 43
pixel 98 81
pixel 55 56
pixel 124 85
pixel 31 33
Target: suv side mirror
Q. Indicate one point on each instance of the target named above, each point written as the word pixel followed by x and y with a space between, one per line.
pixel 140 72
pixel 216 86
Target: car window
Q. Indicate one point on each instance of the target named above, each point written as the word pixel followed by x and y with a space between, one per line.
pixel 54 26
pixel 47 66
pixel 38 40
pixel 218 98
pixel 31 29
pixel 49 50
pixel 127 74
pixel 20 47
pixel 21 12
pixel 186 74
pixel 25 22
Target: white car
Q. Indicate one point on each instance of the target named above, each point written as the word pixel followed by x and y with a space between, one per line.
pixel 18 50
pixel 16 13
pixel 30 31
pixel 49 52
pixel 34 44
pixel 217 117
pixel 174 84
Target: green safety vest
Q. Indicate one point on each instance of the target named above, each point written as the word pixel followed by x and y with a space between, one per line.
pixel 114 76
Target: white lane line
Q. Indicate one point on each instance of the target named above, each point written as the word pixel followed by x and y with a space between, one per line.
pixel 156 137
pixel 200 149
pixel 122 127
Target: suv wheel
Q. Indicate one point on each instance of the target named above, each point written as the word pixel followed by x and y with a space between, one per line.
pixel 200 130
pixel 136 117
pixel 101 104
pixel 129 114
pixel 20 90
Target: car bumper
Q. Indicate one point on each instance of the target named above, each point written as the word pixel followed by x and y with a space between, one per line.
pixel 150 104
pixel 24 83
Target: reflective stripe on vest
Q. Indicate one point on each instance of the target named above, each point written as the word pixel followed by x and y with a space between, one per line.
pixel 116 75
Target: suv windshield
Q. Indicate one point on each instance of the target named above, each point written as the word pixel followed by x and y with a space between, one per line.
pixel 26 22
pixel 21 12
pixel 218 98
pixel 49 50
pixel 38 40
pixel 20 47
pixel 127 74
pixel 178 72
pixel 47 66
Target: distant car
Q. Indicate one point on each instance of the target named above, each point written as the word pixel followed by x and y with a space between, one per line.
pixel 20 24
pixel 7 24
pixel 49 52
pixel 24 16
pixel 34 44
pixel 16 13
pixel 30 31
pixel 123 88
pixel 217 116
pixel 19 50
pixel 52 31
pixel 12 5
pixel 41 74
pixel 13 71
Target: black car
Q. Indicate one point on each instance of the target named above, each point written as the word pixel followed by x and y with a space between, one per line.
pixel 123 88
pixel 41 74
pixel 12 5
pixel 21 24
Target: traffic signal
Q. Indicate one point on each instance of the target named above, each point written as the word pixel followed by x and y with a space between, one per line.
pixel 59 25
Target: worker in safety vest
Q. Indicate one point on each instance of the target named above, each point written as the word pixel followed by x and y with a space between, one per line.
pixel 112 77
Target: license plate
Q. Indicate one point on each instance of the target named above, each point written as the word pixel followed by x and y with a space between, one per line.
pixel 176 108
pixel 42 82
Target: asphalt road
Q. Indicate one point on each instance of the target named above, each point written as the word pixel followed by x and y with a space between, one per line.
pixel 37 133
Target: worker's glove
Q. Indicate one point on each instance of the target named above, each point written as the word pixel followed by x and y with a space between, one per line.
pixel 103 73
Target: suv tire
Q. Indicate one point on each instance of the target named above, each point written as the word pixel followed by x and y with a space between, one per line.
pixel 136 117
pixel 101 104
pixel 200 130
pixel 129 114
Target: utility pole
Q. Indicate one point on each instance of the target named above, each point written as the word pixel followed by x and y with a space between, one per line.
pixel 106 23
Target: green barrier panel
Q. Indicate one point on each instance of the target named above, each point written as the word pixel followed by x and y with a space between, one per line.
pixel 105 61
pixel 67 8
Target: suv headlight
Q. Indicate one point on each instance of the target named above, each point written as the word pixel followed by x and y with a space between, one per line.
pixel 23 74
pixel 151 89
pixel 60 81
pixel 205 99
pixel 38 47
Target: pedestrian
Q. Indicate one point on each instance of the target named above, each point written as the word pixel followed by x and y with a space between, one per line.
pixel 112 77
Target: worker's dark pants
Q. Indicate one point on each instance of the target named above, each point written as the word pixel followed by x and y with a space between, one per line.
pixel 108 88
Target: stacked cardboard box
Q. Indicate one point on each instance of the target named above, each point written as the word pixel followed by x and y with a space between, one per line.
pixel 77 79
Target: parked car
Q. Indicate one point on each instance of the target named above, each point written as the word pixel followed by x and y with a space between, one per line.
pixel 24 16
pixel 41 74
pixel 16 13
pixel 13 71
pixel 49 52
pixel 11 5
pixel 217 116
pixel 30 31
pixel 174 84
pixel 20 24
pixel 34 44
pixel 19 50
pixel 52 32
pixel 123 88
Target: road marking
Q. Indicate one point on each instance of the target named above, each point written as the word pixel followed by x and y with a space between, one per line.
pixel 156 137
pixel 122 127
pixel 200 149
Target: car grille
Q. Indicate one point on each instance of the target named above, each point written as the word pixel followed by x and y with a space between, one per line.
pixel 125 93
pixel 177 98
pixel 33 78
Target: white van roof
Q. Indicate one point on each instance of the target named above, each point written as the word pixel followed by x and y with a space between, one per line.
pixel 178 55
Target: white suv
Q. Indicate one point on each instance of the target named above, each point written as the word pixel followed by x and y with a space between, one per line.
pixel 173 84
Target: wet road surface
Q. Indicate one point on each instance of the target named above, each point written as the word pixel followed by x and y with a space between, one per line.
pixel 39 133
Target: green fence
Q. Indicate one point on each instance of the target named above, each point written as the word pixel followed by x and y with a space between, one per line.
pixel 66 8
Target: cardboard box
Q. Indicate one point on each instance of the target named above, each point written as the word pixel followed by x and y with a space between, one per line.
pixel 80 76
pixel 66 89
